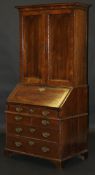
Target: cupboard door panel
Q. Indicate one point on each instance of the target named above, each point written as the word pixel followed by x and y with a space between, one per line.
pixel 60 51
pixel 33 48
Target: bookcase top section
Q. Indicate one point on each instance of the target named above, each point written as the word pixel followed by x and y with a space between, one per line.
pixel 39 96
pixel 55 5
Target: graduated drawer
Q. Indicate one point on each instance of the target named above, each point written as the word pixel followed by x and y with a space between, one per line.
pixel 32 146
pixel 33 132
pixel 34 121
pixel 31 110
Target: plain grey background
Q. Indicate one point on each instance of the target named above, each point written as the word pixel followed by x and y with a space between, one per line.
pixel 9 52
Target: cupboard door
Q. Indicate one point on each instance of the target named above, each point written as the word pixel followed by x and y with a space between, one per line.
pixel 32 48
pixel 60 47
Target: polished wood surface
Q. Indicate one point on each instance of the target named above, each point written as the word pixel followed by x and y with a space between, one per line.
pixel 51 6
pixel 79 97
pixel 42 133
pixel 42 96
pixel 60 47
pixel 29 110
pixel 47 112
pixel 37 148
pixel 66 45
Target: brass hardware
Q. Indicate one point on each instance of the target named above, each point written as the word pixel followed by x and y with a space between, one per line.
pixel 18 144
pixel 19 109
pixel 45 149
pixel 31 110
pixel 17 118
pixel 45 134
pixel 45 122
pixel 42 89
pixel 31 143
pixel 18 130
pixel 45 113
pixel 32 130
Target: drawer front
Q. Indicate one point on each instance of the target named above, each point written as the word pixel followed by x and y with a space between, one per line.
pixel 31 110
pixel 46 123
pixel 17 118
pixel 34 121
pixel 33 132
pixel 32 146
pixel 16 143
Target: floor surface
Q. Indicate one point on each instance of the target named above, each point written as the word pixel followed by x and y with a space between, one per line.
pixel 24 165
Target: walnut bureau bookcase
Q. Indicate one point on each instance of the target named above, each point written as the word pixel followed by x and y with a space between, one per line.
pixel 47 112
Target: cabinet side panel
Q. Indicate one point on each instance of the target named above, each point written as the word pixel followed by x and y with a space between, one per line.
pixel 76 103
pixel 74 136
pixel 80 47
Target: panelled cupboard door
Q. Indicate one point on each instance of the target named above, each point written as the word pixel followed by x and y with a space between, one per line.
pixel 32 48
pixel 60 47
pixel 47 47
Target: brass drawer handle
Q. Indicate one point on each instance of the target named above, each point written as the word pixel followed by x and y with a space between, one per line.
pixel 45 149
pixel 32 130
pixel 31 143
pixel 31 110
pixel 45 113
pixel 42 89
pixel 19 109
pixel 18 144
pixel 45 122
pixel 45 134
pixel 17 118
pixel 18 130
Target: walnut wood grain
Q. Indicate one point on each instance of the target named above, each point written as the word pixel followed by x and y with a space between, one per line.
pixel 47 112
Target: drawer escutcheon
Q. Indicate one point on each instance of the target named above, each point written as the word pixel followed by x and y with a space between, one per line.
pixel 31 110
pixel 18 118
pixel 19 109
pixel 18 130
pixel 45 113
pixel 18 144
pixel 31 143
pixel 45 134
pixel 32 130
pixel 45 122
pixel 45 149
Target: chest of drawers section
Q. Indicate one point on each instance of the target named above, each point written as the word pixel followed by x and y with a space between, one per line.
pixel 33 130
